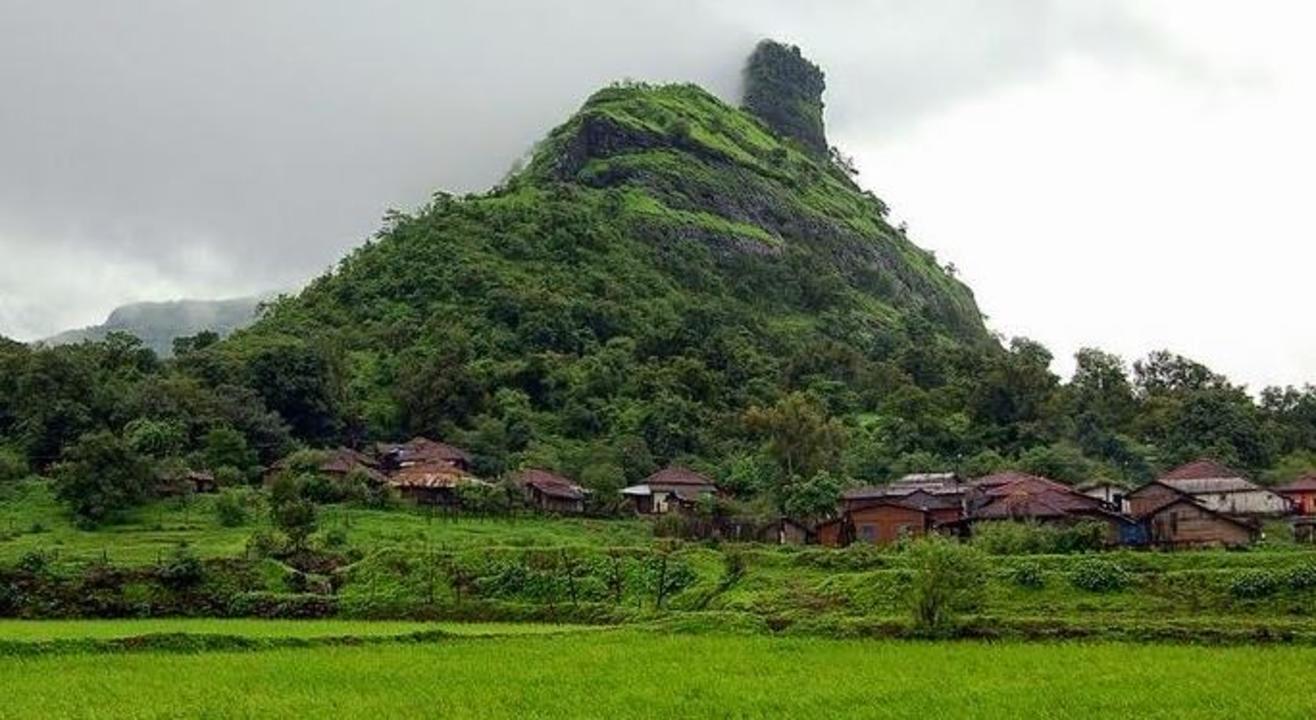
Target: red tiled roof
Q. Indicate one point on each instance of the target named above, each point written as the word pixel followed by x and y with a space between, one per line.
pixel 424 450
pixel 550 484
pixel 1199 470
pixel 677 475
pixel 1011 482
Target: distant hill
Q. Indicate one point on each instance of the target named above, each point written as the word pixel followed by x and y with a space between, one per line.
pixel 158 323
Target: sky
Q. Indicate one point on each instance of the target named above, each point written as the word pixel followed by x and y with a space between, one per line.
pixel 1126 175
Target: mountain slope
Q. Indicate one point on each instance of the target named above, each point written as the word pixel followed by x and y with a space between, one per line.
pixel 157 324
pixel 663 262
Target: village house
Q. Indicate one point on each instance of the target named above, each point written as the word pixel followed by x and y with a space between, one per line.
pixel 185 483
pixel 1211 485
pixel 432 483
pixel 833 533
pixel 1111 494
pixel 1301 494
pixel 1015 496
pixel 669 489
pixel 940 493
pixel 885 521
pixel 338 463
pixel 422 451
pixel 1182 521
pixel 550 492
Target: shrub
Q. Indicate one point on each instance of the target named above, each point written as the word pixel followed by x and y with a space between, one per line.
pixel 265 543
pixel 949 578
pixel 1254 584
pixel 229 476
pixel 231 509
pixel 182 570
pixel 334 537
pixel 1097 575
pixel 1027 575
pixel 33 561
pixel 1302 577
pixel 1014 538
pixel 13 466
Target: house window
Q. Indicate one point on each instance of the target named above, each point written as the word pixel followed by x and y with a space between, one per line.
pixel 1174 523
pixel 868 532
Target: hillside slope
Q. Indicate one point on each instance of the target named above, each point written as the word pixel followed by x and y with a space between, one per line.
pixel 157 324
pixel 663 262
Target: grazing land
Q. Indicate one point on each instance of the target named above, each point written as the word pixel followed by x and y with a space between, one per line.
pixel 634 673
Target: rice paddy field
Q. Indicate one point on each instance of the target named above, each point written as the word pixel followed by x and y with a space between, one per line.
pixel 636 672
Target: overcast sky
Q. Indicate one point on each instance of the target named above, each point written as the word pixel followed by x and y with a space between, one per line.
pixel 1130 175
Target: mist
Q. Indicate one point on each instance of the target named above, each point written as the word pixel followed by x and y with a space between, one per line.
pixel 166 149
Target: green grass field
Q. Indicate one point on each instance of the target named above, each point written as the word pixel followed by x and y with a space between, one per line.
pixel 32 520
pixel 634 673
pixel 43 630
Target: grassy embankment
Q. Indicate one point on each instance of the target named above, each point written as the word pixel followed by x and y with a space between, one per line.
pixel 633 673
pixel 32 520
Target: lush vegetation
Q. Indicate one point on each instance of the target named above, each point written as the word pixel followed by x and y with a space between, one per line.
pixel 640 674
pixel 669 279
pixel 158 324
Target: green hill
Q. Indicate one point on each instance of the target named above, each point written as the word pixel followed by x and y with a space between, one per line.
pixel 663 262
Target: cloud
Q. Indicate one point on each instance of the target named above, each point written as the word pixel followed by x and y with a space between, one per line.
pixel 167 148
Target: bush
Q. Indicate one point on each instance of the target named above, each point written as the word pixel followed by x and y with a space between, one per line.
pixel 182 570
pixel 1097 575
pixel 229 476
pixel 1024 538
pixel 265 543
pixel 1254 584
pixel 33 561
pixel 13 466
pixel 1028 575
pixel 334 537
pixel 1302 577
pixel 949 578
pixel 1014 538
pixel 231 509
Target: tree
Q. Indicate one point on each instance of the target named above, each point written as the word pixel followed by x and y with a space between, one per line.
pixel 949 578
pixel 226 447
pixel 291 512
pixel 100 476
pixel 813 498
pixel 154 438
pixel 800 436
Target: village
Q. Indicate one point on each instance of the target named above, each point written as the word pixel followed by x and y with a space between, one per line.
pixel 1202 504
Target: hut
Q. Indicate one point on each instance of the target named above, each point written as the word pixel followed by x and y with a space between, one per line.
pixel 1182 521
pixel 669 489
pixel 433 484
pixel 833 533
pixel 885 521
pixel 1301 494
pixel 422 451
pixel 1211 485
pixel 550 492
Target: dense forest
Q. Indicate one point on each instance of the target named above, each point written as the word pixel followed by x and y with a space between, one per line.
pixel 669 279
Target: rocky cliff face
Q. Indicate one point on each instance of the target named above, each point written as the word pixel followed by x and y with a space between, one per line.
pixel 785 90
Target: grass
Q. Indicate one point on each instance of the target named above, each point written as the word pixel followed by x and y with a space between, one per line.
pixel 32 520
pixel 44 630
pixel 639 674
